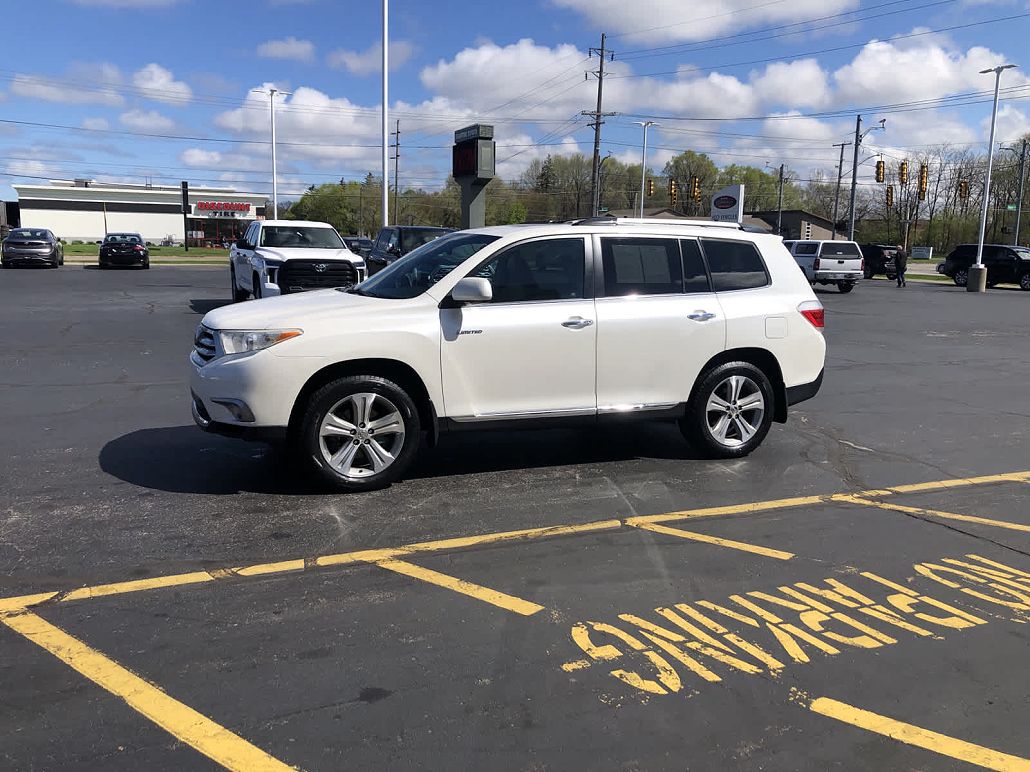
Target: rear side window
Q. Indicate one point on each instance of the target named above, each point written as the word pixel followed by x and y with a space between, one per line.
pixel 840 249
pixel 806 248
pixel 734 265
pixel 635 266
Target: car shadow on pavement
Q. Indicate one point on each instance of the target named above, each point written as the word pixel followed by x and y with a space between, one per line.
pixel 183 459
pixel 203 305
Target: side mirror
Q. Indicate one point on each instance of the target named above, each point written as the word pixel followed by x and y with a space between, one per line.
pixel 472 290
pixel 395 251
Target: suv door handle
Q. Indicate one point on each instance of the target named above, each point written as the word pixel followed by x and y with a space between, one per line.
pixel 577 323
pixel 701 316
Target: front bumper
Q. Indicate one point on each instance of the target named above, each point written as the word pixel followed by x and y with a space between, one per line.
pixel 237 431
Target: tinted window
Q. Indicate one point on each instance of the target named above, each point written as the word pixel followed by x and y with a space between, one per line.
pixel 806 248
pixel 637 266
pixel 550 269
pixel 695 278
pixel 734 265
pixel 414 239
pixel 122 238
pixel 840 249
pixel 1022 253
pixel 29 233
pixel 252 233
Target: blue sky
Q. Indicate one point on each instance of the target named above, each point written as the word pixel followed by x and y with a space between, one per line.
pixel 749 81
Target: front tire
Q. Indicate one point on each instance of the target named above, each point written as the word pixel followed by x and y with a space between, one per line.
pixel 845 287
pixel 360 433
pixel 730 412
pixel 961 277
pixel 255 282
pixel 238 295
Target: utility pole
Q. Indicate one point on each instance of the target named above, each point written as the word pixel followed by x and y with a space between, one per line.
pixel 836 196
pixel 396 174
pixel 1019 197
pixel 854 179
pixel 386 112
pixel 595 177
pixel 779 207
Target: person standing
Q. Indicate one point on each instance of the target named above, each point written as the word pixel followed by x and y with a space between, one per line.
pixel 901 264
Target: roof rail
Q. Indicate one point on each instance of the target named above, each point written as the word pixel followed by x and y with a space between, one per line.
pixel 655 221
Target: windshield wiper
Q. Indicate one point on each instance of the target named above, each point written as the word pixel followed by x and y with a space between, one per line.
pixel 356 290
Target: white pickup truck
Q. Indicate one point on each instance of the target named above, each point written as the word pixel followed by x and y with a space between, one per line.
pixel 829 262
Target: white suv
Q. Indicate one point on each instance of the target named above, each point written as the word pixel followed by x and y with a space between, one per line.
pixel 593 320
pixel 277 257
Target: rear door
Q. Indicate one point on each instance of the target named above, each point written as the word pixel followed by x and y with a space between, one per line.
pixel 840 256
pixel 658 322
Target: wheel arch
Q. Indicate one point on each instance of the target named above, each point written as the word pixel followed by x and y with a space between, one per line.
pixel 761 358
pixel 401 373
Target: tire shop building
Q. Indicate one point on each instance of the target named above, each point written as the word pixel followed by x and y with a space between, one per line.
pixel 85 210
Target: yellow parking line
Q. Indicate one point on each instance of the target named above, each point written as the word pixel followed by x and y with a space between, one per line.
pixel 736 545
pixel 466 542
pixel 921 738
pixel 196 730
pixel 485 594
pixel 935 513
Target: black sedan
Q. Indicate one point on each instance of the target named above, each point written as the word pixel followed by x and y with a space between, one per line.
pixel 124 249
pixel 32 246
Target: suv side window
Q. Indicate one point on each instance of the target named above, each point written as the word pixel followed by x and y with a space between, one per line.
pixel 252 234
pixel 548 269
pixel 734 265
pixel 695 277
pixel 641 266
pixel 806 248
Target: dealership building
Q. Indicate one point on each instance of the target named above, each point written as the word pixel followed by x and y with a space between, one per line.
pixel 85 210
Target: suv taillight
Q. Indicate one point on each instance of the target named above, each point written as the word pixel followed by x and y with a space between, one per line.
pixel 815 264
pixel 813 311
pixel 862 266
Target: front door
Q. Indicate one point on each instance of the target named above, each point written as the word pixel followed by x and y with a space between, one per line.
pixel 529 352
pixel 658 322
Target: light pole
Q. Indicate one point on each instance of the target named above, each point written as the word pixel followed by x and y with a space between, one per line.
pixel 977 281
pixel 272 91
pixel 643 162
pixel 859 136
pixel 386 112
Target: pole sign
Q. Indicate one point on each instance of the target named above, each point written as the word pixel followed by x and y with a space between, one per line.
pixel 473 165
pixel 185 197
pixel 728 204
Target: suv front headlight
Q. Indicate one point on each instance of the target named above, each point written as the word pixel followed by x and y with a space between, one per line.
pixel 246 341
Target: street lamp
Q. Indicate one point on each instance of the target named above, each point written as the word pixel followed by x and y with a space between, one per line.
pixel 272 91
pixel 643 162
pixel 859 136
pixel 977 281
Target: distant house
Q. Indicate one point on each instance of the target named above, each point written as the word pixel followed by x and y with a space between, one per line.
pixel 796 224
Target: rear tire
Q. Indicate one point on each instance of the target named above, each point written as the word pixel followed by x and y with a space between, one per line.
pixel 360 433
pixel 1024 281
pixel 961 277
pixel 730 411
pixel 845 287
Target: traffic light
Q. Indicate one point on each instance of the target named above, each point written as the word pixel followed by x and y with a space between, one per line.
pixel 924 177
pixel 650 187
pixel 890 196
pixel 881 171
pixel 963 188
pixel 695 188
pixel 903 173
pixel 674 191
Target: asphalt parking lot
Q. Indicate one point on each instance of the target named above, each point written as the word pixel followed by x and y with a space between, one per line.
pixel 855 595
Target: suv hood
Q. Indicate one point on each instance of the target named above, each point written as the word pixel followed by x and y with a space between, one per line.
pixel 288 253
pixel 288 311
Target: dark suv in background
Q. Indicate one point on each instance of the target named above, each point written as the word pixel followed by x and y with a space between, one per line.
pixel 879 258
pixel 1005 264
pixel 396 241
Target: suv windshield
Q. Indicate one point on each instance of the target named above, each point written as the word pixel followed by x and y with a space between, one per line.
pixel 300 237
pixel 416 272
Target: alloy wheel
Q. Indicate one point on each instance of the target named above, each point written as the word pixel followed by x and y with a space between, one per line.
pixel 735 411
pixel 1024 281
pixel 362 435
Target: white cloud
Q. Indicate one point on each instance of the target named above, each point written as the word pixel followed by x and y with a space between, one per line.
pixel 82 84
pixel 147 121
pixel 195 156
pixel 675 20
pixel 157 83
pixel 288 48
pixel 95 124
pixel 801 83
pixel 1013 125
pixel 370 61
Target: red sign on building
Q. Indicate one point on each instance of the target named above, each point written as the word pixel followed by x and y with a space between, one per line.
pixel 222 206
